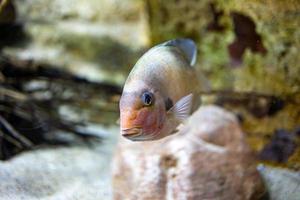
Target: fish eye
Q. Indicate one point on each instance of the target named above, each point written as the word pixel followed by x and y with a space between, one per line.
pixel 147 98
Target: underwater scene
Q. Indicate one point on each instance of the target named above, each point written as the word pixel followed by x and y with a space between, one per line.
pixel 149 100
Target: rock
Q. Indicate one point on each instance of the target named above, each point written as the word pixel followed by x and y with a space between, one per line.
pixel 280 148
pixel 282 184
pixel 92 10
pixel 207 159
pixel 94 37
pixel 64 173
pixel 227 30
pixel 247 47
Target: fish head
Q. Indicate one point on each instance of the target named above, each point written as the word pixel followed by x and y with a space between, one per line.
pixel 142 114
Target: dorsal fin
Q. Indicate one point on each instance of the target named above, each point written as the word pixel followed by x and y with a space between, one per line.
pixel 187 46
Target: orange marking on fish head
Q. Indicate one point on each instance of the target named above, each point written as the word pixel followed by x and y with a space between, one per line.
pixel 139 120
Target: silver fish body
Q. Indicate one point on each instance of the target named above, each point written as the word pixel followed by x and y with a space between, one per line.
pixel 163 74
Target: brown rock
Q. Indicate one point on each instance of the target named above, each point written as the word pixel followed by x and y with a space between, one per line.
pixel 207 159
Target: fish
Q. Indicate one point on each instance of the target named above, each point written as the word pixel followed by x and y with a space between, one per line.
pixel 160 92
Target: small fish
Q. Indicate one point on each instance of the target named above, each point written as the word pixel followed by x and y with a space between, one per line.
pixel 161 91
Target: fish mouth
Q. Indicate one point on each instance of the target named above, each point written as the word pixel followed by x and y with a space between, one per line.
pixel 131 133
pixel 136 134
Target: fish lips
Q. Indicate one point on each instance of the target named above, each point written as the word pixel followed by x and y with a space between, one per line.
pixel 132 133
pixel 136 134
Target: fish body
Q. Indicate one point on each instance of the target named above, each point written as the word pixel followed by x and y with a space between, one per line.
pixel 160 92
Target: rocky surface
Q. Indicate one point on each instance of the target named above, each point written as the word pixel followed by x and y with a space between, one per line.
pixel 92 39
pixel 248 47
pixel 64 173
pixel 193 164
pixel 207 159
pixel 282 184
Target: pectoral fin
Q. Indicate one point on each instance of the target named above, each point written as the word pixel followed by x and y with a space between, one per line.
pixel 182 109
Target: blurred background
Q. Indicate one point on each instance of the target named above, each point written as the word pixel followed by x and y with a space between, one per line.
pixel 64 62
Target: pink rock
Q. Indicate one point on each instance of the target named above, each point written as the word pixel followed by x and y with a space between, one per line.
pixel 207 159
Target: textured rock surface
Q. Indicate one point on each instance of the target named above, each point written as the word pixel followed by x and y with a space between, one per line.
pixel 207 159
pixel 90 38
pixel 59 174
pixel 266 31
pixel 248 46
pixel 282 184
